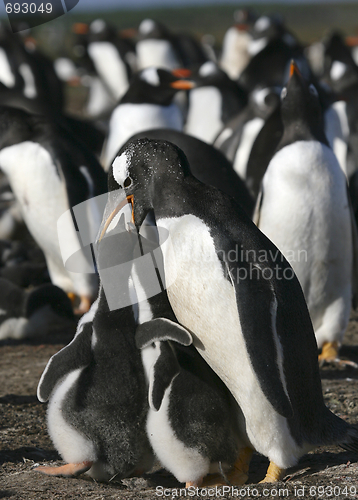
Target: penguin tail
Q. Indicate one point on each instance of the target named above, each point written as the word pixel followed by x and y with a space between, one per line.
pixel 350 441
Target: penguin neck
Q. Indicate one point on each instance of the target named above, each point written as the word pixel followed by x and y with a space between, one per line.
pixel 302 131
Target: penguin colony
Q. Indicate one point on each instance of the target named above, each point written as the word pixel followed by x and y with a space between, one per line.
pixel 213 264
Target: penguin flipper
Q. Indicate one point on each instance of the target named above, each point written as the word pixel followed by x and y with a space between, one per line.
pixel 256 298
pixel 164 370
pixel 75 355
pixel 161 329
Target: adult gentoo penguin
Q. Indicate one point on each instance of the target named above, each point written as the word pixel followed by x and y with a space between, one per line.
pixel 147 104
pixel 238 296
pixel 49 173
pixel 304 210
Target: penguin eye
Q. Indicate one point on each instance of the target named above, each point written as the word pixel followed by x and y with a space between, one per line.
pixel 128 182
pixel 283 92
pixel 313 90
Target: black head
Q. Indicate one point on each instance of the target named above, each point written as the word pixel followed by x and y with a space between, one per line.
pixel 145 168
pixel 301 110
pixel 155 86
pixel 51 295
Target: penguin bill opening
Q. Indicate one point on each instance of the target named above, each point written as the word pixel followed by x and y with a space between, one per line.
pixel 120 208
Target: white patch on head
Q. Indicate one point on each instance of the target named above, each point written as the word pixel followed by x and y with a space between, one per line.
pixel 262 24
pixel 7 77
pixel 120 168
pixel 260 95
pixel 255 46
pixel 97 26
pixel 146 26
pixel 30 87
pixel 72 445
pixel 207 69
pixel 150 75
pixel 337 70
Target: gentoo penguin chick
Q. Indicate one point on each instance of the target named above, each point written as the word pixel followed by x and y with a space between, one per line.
pixel 147 104
pixel 228 281
pixel 50 173
pixel 304 210
pixel 36 312
pixel 193 424
pixel 96 386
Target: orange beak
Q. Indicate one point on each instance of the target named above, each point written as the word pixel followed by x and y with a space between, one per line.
pixel 128 199
pixel 181 72
pixel 294 69
pixel 182 85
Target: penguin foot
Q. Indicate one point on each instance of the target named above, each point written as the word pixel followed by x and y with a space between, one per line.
pixel 273 474
pixel 84 305
pixel 239 474
pixel 68 470
pixel 196 484
pixel 329 355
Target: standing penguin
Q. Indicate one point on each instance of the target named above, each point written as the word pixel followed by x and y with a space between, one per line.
pixel 49 173
pixel 96 386
pixel 147 104
pixel 235 292
pixel 304 210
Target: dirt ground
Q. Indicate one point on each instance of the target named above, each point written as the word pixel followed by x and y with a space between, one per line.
pixel 324 473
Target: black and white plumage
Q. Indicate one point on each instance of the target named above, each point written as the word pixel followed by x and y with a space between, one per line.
pixel 49 173
pixel 96 386
pixel 148 103
pixel 252 328
pixel 207 164
pixel 304 210
pixel 36 312
pixel 213 101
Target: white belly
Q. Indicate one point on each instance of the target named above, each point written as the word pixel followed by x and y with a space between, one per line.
pixel 73 446
pixel 129 119
pixel 204 115
pixel 305 213
pixel 204 301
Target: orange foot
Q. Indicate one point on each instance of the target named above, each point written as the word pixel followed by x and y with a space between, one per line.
pixel 196 484
pixel 68 470
pixel 273 474
pixel 329 355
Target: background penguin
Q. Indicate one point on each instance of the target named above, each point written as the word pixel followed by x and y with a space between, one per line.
pixel 212 102
pixel 50 172
pixel 96 386
pixel 269 358
pixel 207 164
pixel 304 210
pixel 36 312
pixel 236 139
pixel 147 104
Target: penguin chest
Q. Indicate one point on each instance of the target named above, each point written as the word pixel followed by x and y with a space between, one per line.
pixel 156 53
pixel 110 66
pixel 204 116
pixel 204 301
pixel 38 188
pixel 305 213
pixel 129 119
